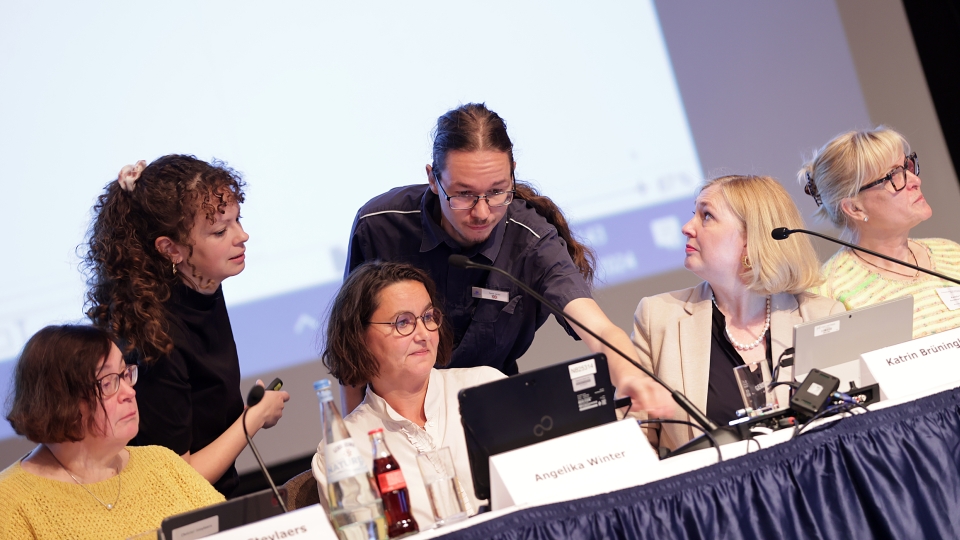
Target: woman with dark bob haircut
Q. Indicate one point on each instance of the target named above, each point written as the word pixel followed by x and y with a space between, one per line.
pixel 385 327
pixel 74 396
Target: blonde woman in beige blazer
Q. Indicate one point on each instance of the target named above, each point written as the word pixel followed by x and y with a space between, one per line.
pixel 756 283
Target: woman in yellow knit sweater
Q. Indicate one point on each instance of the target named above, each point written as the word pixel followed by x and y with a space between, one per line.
pixel 868 184
pixel 74 396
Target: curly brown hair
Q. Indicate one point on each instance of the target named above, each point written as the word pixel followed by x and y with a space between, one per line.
pixel 129 279
pixel 345 352
pixel 473 127
pixel 55 373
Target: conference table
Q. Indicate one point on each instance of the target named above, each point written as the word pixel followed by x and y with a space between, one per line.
pixel 892 472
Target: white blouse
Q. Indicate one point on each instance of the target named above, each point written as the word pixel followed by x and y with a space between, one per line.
pixel 406 439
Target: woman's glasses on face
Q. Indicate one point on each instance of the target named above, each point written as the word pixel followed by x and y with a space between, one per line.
pixel 406 322
pixel 898 176
pixel 110 384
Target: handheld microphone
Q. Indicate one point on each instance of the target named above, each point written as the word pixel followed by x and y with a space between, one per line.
pixel 256 394
pixel 722 435
pixel 781 233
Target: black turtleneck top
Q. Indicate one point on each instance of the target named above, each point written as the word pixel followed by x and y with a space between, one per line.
pixel 191 396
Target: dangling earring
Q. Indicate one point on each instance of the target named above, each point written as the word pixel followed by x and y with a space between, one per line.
pixel 174 268
pixel 746 262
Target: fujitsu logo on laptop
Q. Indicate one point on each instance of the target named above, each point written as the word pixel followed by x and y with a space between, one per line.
pixel 545 425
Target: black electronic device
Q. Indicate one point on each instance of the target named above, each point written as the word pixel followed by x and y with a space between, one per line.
pixel 535 406
pixel 227 515
pixel 814 393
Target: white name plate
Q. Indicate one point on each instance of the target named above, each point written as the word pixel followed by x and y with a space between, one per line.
pixel 914 367
pixel 305 523
pixel 597 460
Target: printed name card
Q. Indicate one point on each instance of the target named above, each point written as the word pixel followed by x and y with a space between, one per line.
pixel 310 522
pixel 593 461
pixel 914 367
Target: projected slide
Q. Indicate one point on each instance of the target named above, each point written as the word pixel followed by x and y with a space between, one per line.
pixel 322 106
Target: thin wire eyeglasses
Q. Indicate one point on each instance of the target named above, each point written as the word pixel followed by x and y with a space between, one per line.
pixel 406 322
pixel 466 202
pixel 910 163
pixel 110 384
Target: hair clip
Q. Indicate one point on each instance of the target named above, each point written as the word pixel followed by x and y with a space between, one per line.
pixel 811 190
pixel 129 175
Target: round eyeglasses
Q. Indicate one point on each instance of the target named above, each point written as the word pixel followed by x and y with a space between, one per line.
pixel 110 384
pixel 898 176
pixel 406 322
pixel 466 202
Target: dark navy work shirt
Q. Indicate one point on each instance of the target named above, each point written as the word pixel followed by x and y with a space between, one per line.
pixel 403 225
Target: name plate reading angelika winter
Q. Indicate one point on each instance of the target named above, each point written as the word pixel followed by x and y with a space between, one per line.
pixel 303 524
pixel 593 461
pixel 914 367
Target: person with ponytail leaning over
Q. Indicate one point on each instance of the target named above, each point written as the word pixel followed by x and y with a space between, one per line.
pixel 868 184
pixel 473 205
pixel 164 237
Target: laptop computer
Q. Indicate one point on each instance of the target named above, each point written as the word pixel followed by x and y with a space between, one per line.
pixel 834 344
pixel 210 520
pixel 531 407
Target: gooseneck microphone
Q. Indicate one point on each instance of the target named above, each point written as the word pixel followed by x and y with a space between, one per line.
pixel 254 397
pixel 781 233
pixel 721 435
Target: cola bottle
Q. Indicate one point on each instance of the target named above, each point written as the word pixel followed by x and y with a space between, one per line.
pixel 393 489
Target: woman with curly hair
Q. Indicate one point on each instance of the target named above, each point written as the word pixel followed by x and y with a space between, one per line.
pixel 164 237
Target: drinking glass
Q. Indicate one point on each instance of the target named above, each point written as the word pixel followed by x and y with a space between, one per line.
pixel 754 381
pixel 443 487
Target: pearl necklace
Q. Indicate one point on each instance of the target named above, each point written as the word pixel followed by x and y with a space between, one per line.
pixel 108 506
pixel 740 346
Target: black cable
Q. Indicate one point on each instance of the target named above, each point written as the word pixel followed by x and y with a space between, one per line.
pixel 684 422
pixel 260 461
pixel 775 373
pixel 842 407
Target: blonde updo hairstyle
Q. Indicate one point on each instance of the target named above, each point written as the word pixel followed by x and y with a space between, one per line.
pixel 841 166
pixel 762 204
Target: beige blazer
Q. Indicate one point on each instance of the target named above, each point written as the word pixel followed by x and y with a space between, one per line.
pixel 671 333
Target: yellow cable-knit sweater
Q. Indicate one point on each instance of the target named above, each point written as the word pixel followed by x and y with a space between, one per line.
pixel 156 483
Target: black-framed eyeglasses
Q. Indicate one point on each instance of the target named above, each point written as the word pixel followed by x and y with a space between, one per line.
pixel 110 384
pixel 406 322
pixel 898 176
pixel 466 202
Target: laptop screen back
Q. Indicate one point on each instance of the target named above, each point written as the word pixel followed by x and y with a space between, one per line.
pixel 227 515
pixel 834 344
pixel 531 407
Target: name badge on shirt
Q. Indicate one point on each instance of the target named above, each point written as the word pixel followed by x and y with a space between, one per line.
pixel 490 294
pixel 950 297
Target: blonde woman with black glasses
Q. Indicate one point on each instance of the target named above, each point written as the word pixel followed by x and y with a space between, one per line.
pixel 868 184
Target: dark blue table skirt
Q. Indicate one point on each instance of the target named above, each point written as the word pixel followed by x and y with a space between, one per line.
pixel 894 473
